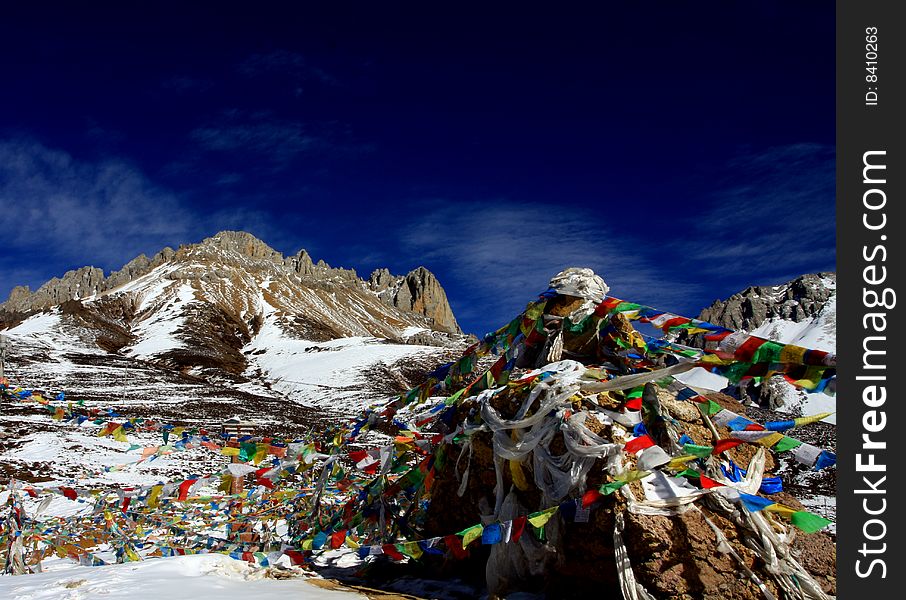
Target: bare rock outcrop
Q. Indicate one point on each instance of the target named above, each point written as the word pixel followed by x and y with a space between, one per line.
pixel 301 263
pixel 797 300
pixel 243 243
pixel 138 266
pixel 75 284
pixel 420 292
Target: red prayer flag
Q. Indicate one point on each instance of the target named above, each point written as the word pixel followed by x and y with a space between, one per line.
pixel 747 350
pixel 69 493
pixel 184 489
pixel 606 306
pixel 724 445
pixel 454 543
pixel 639 443
pixel 590 497
pixel 391 551
pixel 674 322
pixel 709 483
pixel 497 367
pixel 518 528
pixel 337 538
pixel 634 403
pixel 815 358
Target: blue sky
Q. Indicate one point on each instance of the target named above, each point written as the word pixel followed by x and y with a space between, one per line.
pixel 683 152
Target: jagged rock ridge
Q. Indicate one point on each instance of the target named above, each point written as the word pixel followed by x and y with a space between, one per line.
pixel 802 312
pixel 797 300
pixel 418 292
pixel 233 310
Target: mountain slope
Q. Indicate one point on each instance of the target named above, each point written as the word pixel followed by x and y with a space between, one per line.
pixel 802 312
pixel 234 311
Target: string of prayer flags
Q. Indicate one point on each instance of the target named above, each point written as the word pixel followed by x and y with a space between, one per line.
pixel 804 520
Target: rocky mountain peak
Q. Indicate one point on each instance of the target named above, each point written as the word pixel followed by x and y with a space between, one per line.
pixel 423 294
pixel 301 263
pixel 241 242
pixel 380 280
pixel 796 300
pixel 227 255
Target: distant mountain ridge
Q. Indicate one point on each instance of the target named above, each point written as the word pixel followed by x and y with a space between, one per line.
pixel 797 300
pixel 801 312
pixel 234 311
pixel 418 291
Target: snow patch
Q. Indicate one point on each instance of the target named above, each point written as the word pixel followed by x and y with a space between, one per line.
pixel 200 576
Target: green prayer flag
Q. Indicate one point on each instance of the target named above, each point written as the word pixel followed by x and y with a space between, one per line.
pixel 611 487
pixel 247 450
pixel 689 473
pixel 455 397
pixel 786 443
pixel 809 522
pixel 699 451
pixel 465 365
pixel 711 408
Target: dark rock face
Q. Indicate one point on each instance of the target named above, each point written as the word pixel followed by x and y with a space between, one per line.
pixel 797 300
pixel 423 294
pixel 420 292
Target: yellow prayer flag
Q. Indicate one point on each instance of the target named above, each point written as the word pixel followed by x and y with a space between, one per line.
pixel 119 435
pixel 800 421
pixel 132 554
pixel 630 476
pixel 412 549
pixel 228 451
pixel 470 534
pixel 518 475
pixel 680 461
pixel 226 483
pixel 539 519
pixel 786 511
pixel 769 440
pixel 792 354
pixel 153 498
pixel 534 311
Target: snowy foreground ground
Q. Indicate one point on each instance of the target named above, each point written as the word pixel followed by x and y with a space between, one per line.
pixel 200 577
pixel 219 577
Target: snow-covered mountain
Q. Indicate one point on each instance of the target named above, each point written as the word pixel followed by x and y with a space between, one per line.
pixel 802 312
pixel 234 312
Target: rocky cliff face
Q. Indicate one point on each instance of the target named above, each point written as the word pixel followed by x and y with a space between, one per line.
pixel 802 312
pixel 798 300
pixel 418 292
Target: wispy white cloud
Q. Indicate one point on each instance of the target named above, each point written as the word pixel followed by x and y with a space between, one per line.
pixel 772 213
pixel 292 65
pixel 88 211
pixel 502 254
pixel 61 213
pixel 260 134
pixel 261 139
